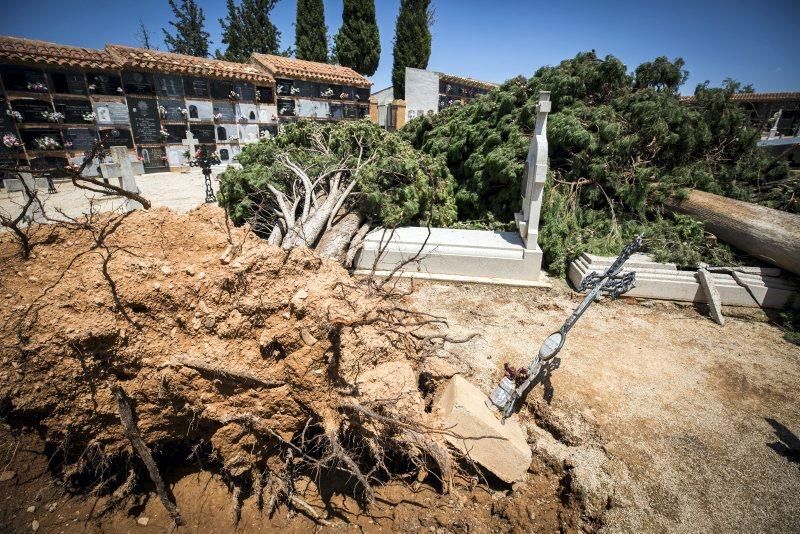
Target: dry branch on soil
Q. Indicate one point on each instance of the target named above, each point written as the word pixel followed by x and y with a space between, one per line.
pixel 255 357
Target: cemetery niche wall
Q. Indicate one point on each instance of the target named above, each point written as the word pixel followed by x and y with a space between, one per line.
pixel 56 100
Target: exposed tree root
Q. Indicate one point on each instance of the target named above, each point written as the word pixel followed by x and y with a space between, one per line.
pixel 132 433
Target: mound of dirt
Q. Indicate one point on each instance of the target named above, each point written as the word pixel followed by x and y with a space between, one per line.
pixel 138 343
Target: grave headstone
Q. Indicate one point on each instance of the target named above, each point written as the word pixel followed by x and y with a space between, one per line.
pixel 173 109
pixel 196 87
pixel 221 89
pixel 286 107
pixel 80 138
pixel 153 158
pixel 312 108
pixel 138 83
pixel 175 132
pixel 200 110
pixel 103 83
pixel 111 112
pixel 265 95
pixel 31 109
pixel 247 112
pixel 73 110
pixel 246 91
pixel 267 112
pixel 19 78
pixel 68 83
pixel 226 110
pixel 144 120
pixel 35 138
pixel 117 137
pixel 169 86
pixel 204 133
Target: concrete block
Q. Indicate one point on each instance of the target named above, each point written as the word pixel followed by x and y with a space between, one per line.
pixel 450 254
pixel 712 295
pixel 764 285
pixel 500 448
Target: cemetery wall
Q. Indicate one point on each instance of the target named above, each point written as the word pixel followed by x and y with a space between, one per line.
pixel 56 100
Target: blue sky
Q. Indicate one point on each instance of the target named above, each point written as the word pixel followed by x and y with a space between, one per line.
pixel 754 42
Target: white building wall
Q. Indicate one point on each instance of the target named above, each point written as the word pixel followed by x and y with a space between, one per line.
pixel 422 92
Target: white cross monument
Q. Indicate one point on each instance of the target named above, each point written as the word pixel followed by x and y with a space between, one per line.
pixel 191 143
pixel 512 258
pixel 124 169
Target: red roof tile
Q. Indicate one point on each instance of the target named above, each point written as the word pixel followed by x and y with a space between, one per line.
pixel 157 61
pixel 754 97
pixel 29 51
pixel 281 66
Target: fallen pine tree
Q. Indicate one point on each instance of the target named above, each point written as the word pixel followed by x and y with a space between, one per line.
pixel 323 186
pixel 620 144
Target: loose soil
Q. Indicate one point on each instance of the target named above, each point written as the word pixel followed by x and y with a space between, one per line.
pixel 272 389
pixel 656 419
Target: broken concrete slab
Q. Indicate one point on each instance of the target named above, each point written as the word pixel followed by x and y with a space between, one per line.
pixel 712 295
pixel 751 286
pixel 475 430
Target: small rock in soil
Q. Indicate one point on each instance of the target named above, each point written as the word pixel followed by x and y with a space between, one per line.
pixel 143 521
pixel 7 475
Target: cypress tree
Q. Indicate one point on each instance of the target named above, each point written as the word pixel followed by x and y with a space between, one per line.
pixel 311 33
pixel 247 29
pixel 189 38
pixel 412 42
pixel 358 44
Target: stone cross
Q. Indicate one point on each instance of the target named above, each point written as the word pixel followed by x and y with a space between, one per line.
pixel 534 176
pixel 124 169
pixel 191 143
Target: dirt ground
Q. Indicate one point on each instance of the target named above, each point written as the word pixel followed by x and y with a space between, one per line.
pixel 655 420
pixel 681 424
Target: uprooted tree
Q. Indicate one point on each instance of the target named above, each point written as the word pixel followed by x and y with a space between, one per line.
pixel 619 145
pixel 324 186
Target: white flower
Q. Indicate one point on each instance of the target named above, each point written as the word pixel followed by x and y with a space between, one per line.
pixel 90 117
pixel 184 112
pixel 234 95
pixel 47 143
pixel 51 116
pixel 327 93
pixel 162 111
pixel 92 87
pixel 119 90
pixel 16 115
pixel 11 141
pixel 164 133
pixel 295 90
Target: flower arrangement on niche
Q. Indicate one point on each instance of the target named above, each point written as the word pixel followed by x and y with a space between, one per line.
pixel 327 93
pixel 164 134
pixel 120 90
pixel 185 113
pixel 233 138
pixel 11 141
pixel 217 117
pixel 295 90
pixel 343 95
pixel 234 96
pixel 46 143
pixel 162 111
pixel 286 110
pixel 90 117
pixel 52 116
pixel 15 115
pixel 258 95
pixel 37 87
pixel 92 88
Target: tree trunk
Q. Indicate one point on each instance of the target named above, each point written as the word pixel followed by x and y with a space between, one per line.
pixel 305 232
pixel 769 234
pixel 336 240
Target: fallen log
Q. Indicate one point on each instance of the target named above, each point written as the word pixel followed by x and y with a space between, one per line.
pixel 768 234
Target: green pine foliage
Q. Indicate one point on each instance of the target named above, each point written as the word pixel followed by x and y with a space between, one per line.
pixel 619 145
pixel 247 28
pixel 412 42
pixel 311 33
pixel 397 186
pixel 189 38
pixel 358 45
